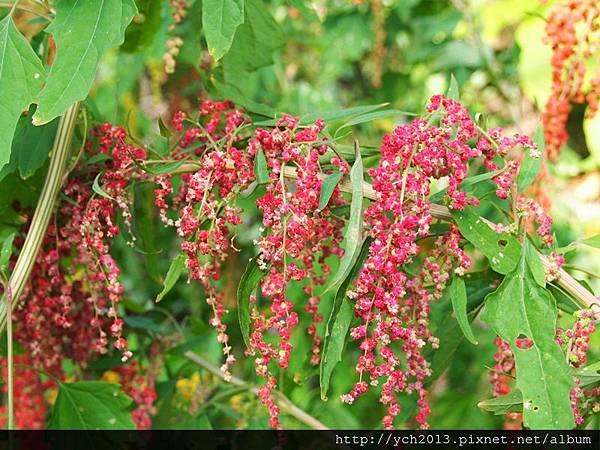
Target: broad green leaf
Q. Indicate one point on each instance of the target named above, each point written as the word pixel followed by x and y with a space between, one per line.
pixel 144 27
pixel 91 405
pixel 6 247
pixel 499 406
pixel 338 323
pixel 593 241
pixel 501 249
pixel 83 32
pixel 458 295
pixel 327 188
pixel 248 284
pixel 530 166
pixel 520 308
pixel 261 170
pixel 453 89
pixel 21 78
pixel 354 231
pixel 220 20
pixel 175 270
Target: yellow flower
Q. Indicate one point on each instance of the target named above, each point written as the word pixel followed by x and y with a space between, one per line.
pixel 188 386
pixel 111 376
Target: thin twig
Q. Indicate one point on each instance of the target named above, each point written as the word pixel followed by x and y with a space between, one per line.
pixel 285 403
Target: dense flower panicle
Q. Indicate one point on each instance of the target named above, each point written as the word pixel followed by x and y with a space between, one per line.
pixel 298 237
pixel 72 296
pixel 572 30
pixel 206 199
pixel 29 399
pixel 502 374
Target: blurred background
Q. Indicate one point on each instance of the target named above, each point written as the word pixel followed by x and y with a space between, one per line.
pixel 311 58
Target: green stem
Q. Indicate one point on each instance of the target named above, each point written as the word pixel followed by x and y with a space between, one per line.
pixel 10 362
pixel 43 210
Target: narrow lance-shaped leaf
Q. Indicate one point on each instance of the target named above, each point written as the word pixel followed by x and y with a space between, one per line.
pixel 83 31
pixel 248 283
pixel 338 324
pixel 261 170
pixel 220 20
pixel 175 270
pixel 21 78
pixel 458 295
pixel 519 309
pixel 354 230
pixel 531 164
pixel 499 406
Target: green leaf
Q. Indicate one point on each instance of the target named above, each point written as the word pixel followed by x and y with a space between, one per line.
pixel 21 78
pixel 143 323
pixel 535 263
pixel 220 20
pixel 593 241
pixel 248 283
pixel 327 188
pixel 466 184
pixel 501 249
pixel 458 295
pixel 589 375
pixel 520 308
pixel 98 189
pixel 6 247
pixel 144 27
pixel 175 270
pixel 91 405
pixel 164 130
pixel 83 32
pixel 338 323
pixel 453 89
pixel 160 169
pixel 261 170
pixel 355 223
pixel 331 116
pixel 530 166
pixel 499 406
pixel 375 115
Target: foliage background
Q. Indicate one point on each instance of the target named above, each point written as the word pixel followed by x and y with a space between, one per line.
pixel 310 58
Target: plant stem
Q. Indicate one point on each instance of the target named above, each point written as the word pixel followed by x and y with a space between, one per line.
pixel 10 363
pixel 284 403
pixel 43 210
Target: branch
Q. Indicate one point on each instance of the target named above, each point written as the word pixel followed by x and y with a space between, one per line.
pixel 584 297
pixel 285 403
pixel 43 210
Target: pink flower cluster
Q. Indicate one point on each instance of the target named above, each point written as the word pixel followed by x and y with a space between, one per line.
pixel 206 199
pixel 392 304
pixel 297 238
